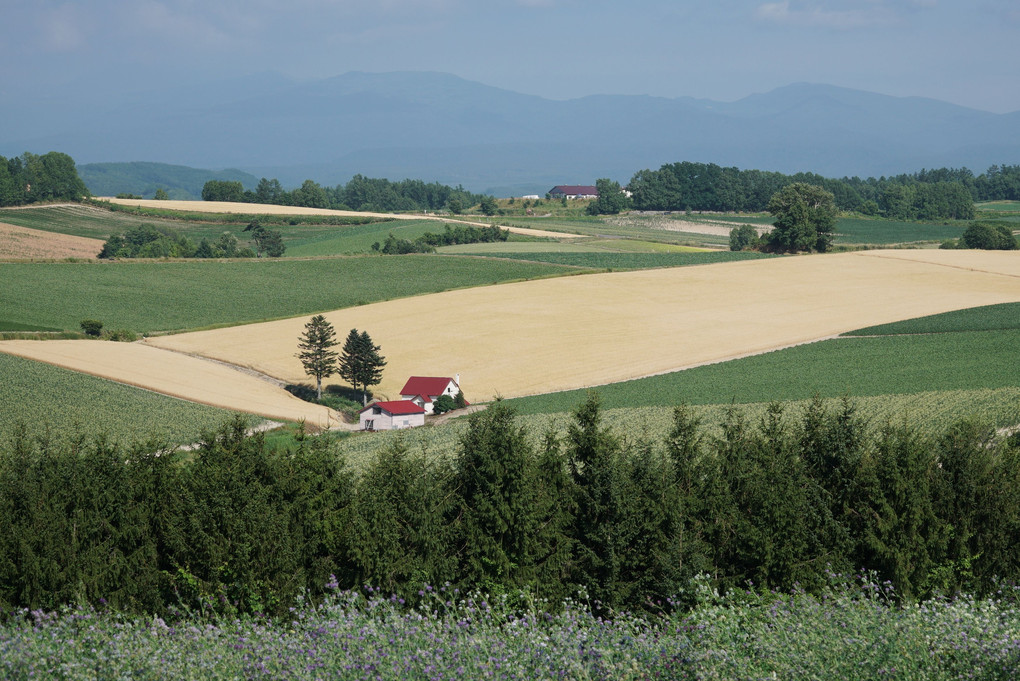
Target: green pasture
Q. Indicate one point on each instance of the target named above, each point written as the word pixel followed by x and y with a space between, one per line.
pixel 858 366
pixel 999 206
pixel 164 296
pixel 524 247
pixel 71 404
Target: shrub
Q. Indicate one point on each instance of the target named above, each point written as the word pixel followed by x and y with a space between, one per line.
pixel 92 327
pixel 443 404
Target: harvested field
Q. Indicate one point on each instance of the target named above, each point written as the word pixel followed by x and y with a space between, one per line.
pixel 541 336
pixel 22 243
pixel 266 209
pixel 191 378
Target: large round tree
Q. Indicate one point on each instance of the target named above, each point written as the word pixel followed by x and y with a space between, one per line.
pixel 805 217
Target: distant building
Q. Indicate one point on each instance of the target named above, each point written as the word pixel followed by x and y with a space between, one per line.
pixel 573 191
pixel 394 415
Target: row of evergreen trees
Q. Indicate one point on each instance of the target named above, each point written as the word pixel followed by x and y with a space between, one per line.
pixel 946 193
pixel 235 526
pixel 31 178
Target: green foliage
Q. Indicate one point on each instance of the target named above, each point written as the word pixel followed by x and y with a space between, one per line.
pixel 31 178
pixel 989 236
pixel 186 295
pixel 443 404
pixel 148 241
pixel 91 327
pixel 805 217
pixel 743 237
pixel 611 200
pixel 360 363
pixel 222 190
pixel 316 353
pixel 268 241
pixel 488 206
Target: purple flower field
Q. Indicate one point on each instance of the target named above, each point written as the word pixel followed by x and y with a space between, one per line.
pixel 853 631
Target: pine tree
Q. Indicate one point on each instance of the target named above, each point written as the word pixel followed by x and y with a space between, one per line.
pixel 360 362
pixel 497 513
pixel 316 355
pixel 593 455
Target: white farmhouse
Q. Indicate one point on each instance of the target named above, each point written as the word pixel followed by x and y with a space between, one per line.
pixel 423 390
pixel 394 415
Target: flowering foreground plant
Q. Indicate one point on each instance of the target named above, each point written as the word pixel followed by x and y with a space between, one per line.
pixel 853 630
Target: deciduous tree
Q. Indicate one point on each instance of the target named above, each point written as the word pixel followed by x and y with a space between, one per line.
pixel 805 217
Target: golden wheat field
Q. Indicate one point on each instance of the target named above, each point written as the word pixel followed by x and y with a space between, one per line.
pixel 556 334
pixel 23 243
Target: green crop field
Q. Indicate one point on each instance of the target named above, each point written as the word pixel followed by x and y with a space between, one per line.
pixel 624 261
pixel 856 366
pixel 71 403
pixel 355 239
pixel 166 296
pixel 986 318
pixel 888 232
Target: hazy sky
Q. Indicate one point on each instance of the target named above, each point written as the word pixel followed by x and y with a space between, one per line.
pixel 961 51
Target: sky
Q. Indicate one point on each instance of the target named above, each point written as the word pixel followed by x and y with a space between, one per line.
pixel 962 51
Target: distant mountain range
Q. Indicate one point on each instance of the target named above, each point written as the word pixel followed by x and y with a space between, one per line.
pixel 438 127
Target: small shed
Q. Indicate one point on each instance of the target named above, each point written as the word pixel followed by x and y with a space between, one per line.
pixel 394 415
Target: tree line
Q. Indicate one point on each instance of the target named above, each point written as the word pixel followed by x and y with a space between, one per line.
pixel 31 178
pixel 152 241
pixel 946 193
pixel 623 519
pixel 360 193
pixel 450 236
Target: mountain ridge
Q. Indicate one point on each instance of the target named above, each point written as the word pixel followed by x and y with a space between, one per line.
pixel 438 126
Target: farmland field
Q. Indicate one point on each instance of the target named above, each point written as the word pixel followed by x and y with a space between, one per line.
pixel 847 365
pixel 23 243
pixel 631 261
pixel 985 318
pixel 535 337
pixel 70 402
pixel 167 296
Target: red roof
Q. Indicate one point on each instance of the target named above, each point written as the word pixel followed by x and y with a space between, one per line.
pixel 574 190
pixel 426 386
pixel 397 407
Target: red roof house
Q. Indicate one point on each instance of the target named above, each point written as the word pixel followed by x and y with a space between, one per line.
pixel 423 390
pixel 573 191
pixel 392 415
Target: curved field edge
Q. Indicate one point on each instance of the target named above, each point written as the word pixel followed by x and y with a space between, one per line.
pixel 70 403
pixel 163 296
pixel 531 338
pixel 859 366
pixel 984 318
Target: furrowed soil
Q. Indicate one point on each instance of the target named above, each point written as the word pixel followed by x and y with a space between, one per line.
pixel 22 243
pixel 542 336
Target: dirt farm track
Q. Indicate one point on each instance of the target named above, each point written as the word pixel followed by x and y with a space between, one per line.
pixel 555 334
